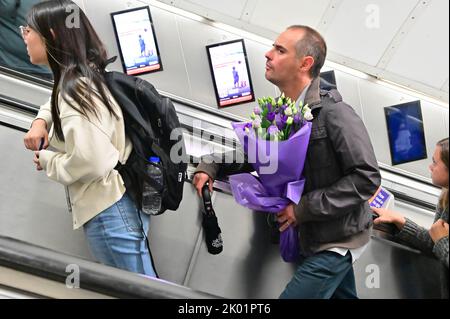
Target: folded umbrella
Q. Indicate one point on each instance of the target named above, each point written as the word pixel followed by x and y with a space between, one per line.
pixel 213 233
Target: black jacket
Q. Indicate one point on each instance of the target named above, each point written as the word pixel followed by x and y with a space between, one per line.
pixel 341 173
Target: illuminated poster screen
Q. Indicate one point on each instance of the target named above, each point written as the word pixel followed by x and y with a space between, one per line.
pixel 406 133
pixel 136 39
pixel 230 73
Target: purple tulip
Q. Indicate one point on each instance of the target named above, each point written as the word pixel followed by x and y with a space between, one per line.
pixel 279 121
pixel 269 107
pixel 248 125
pixel 257 111
pixel 271 116
pixel 297 118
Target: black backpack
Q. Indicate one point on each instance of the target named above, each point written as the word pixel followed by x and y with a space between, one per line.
pixel 149 120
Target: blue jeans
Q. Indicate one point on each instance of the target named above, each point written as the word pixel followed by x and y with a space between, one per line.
pixel 116 237
pixel 324 275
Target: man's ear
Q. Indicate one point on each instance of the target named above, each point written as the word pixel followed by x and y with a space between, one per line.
pixel 307 64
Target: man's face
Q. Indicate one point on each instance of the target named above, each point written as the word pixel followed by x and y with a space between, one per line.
pixel 282 64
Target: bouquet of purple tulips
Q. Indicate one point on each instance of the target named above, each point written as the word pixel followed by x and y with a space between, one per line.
pixel 275 142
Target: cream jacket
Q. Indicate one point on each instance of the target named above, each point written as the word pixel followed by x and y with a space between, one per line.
pixel 85 161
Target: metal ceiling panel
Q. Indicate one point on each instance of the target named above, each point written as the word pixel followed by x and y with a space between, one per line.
pixel 277 15
pixel 445 86
pixel 363 29
pixel 231 8
pixel 423 56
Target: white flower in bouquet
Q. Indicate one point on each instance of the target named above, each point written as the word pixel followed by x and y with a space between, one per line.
pixel 282 114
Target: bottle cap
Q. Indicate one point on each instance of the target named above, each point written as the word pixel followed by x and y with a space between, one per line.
pixel 154 159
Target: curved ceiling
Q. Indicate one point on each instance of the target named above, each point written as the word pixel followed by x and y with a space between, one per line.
pixel 402 41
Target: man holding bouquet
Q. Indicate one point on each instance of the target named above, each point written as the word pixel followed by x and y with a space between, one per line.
pixel 341 171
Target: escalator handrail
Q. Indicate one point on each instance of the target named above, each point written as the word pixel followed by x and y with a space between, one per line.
pixel 413 200
pixel 49 85
pixel 19 104
pixel 26 77
pixel 33 109
pixel 52 265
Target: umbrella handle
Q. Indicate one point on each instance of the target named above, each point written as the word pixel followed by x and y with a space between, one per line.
pixel 207 202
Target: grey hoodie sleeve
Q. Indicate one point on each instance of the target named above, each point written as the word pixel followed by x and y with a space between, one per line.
pixel 440 250
pixel 416 236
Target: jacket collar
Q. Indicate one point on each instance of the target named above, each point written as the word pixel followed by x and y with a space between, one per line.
pixel 313 94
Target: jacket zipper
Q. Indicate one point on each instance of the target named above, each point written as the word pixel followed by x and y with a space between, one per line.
pixel 69 203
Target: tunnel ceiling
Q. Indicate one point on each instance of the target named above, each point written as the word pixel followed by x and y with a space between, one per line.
pixel 402 41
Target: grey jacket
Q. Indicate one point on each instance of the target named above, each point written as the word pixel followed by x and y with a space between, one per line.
pixel 419 237
pixel 341 174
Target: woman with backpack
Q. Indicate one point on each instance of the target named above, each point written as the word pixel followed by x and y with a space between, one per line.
pixel 87 133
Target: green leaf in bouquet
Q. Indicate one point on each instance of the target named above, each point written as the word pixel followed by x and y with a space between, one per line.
pixel 265 123
pixel 264 113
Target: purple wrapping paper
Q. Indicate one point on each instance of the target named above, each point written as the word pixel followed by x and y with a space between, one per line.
pixel 279 166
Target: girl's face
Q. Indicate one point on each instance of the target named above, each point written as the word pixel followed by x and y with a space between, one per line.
pixel 439 172
pixel 35 46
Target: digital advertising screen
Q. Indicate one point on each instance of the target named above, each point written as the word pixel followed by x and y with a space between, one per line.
pixel 136 39
pixel 406 132
pixel 230 72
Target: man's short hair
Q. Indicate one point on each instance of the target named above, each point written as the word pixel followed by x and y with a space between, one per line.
pixel 311 44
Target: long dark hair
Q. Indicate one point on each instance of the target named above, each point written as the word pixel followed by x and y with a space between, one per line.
pixel 74 51
pixel 443 203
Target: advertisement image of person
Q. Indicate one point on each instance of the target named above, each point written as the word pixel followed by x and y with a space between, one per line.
pixel 142 45
pixel 341 171
pixel 235 77
pixel 403 142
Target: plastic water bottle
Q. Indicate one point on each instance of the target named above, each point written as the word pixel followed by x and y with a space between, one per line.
pixel 151 198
